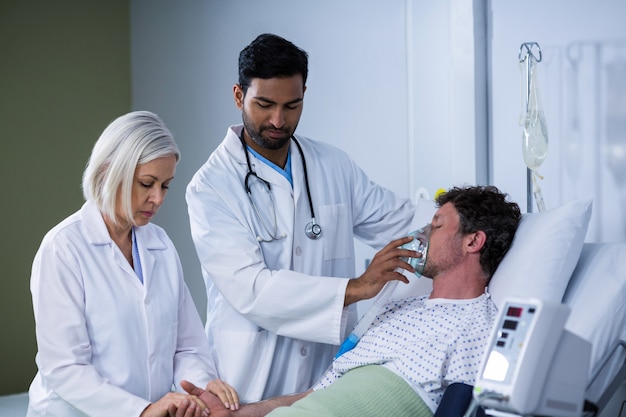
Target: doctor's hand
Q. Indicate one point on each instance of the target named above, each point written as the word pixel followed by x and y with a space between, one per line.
pixel 213 402
pixel 227 394
pixel 382 269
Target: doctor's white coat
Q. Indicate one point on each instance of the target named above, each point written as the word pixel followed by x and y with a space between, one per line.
pixel 109 345
pixel 275 310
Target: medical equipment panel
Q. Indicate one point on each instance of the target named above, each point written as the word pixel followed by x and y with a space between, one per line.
pixel 532 365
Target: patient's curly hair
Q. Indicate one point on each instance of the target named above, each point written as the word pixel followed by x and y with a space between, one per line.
pixel 485 208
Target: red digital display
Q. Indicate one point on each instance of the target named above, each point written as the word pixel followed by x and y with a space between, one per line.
pixel 514 312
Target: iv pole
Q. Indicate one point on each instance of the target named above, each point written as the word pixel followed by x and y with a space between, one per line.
pixel 526 54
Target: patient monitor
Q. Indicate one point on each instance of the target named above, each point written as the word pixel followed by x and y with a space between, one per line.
pixel 532 365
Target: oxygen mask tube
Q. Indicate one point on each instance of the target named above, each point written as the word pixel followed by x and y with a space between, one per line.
pixel 364 323
pixel 418 244
pixel 535 135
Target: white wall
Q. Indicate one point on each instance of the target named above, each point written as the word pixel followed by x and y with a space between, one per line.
pixel 591 35
pixel 448 113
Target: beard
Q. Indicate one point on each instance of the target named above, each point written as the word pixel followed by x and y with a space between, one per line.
pixel 449 257
pixel 256 133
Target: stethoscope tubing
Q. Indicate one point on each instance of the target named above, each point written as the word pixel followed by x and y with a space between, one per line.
pixel 312 229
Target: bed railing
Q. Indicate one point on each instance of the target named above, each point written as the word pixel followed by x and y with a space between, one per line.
pixel 620 376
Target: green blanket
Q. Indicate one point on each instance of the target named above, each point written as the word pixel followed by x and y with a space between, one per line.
pixel 365 391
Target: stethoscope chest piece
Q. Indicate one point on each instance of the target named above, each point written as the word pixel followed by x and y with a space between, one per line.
pixel 313 230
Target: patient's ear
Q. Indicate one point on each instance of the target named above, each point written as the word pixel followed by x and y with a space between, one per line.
pixel 475 241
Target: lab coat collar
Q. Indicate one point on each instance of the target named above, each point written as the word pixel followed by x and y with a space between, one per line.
pixel 233 144
pixel 96 232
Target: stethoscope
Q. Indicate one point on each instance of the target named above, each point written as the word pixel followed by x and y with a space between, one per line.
pixel 312 230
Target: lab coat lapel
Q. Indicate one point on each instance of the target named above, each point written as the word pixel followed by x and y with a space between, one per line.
pixel 283 195
pixel 297 173
pixel 149 245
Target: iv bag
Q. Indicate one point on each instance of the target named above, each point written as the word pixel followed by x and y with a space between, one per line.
pixel 535 136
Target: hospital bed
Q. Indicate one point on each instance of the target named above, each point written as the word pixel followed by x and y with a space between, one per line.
pixel 548 260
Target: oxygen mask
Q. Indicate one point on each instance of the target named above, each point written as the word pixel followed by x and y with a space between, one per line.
pixel 419 244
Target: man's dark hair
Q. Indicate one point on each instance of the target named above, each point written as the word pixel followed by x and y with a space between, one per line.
pixel 270 56
pixel 485 208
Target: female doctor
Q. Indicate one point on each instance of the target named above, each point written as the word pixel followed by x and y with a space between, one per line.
pixel 273 216
pixel 116 326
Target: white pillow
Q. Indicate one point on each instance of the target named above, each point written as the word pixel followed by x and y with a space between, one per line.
pixel 543 255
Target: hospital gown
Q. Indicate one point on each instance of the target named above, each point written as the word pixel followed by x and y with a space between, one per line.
pixel 429 343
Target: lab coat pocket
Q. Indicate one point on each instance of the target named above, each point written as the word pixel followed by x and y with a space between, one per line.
pixel 336 231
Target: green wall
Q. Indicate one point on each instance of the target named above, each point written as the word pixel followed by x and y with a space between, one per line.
pixel 64 75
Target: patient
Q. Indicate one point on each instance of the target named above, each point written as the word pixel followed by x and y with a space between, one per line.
pixel 116 326
pixel 419 345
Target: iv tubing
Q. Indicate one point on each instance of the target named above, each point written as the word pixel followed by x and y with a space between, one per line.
pixel 364 323
pixel 537 193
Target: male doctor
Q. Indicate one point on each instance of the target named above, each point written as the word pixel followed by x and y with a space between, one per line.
pixel 273 216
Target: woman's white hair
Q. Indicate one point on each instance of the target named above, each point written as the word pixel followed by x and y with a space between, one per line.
pixel 132 139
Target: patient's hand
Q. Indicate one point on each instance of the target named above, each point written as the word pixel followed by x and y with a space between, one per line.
pixel 218 409
pixel 191 405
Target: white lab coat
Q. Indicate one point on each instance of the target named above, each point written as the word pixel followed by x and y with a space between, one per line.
pixel 275 310
pixel 109 345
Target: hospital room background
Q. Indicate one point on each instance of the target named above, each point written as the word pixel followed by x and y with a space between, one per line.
pixel 423 94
